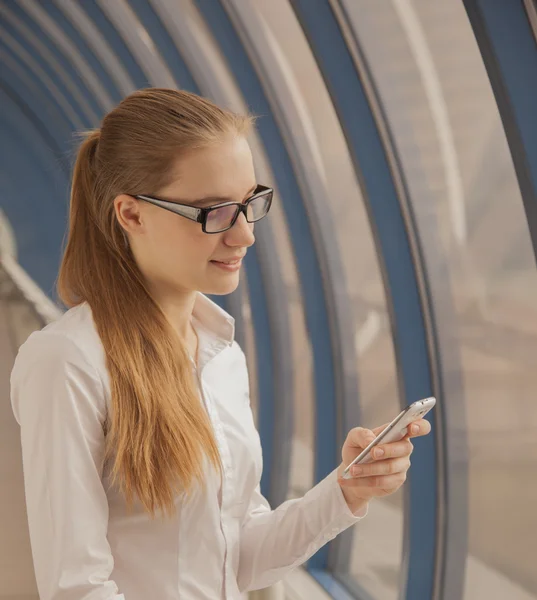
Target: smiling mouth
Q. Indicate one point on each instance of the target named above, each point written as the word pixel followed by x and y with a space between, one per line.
pixel 228 266
pixel 228 262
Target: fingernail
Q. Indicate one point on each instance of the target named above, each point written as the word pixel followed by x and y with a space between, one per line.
pixel 379 453
pixel 415 428
pixel 357 470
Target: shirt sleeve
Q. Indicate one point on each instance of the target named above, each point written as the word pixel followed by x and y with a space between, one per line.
pixel 275 541
pixel 59 402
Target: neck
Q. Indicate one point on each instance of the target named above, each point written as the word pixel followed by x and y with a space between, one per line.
pixel 178 310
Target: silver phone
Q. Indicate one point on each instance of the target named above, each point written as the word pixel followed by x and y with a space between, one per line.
pixel 395 431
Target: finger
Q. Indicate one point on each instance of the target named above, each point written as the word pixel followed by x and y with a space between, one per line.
pixel 383 482
pixel 419 428
pixel 393 450
pixel 381 467
pixel 380 429
pixel 360 437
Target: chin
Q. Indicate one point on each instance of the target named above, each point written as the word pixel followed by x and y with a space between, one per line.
pixel 222 288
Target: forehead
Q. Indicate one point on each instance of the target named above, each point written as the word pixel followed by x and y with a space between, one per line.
pixel 223 169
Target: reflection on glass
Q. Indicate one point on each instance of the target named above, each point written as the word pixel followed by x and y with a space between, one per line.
pixel 427 67
pixel 376 551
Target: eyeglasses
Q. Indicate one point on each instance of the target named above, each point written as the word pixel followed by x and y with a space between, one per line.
pixel 220 217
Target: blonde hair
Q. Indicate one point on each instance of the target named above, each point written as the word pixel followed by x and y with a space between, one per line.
pixel 158 433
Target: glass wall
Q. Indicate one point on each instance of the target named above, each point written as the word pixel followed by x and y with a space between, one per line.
pixel 427 67
pixel 376 546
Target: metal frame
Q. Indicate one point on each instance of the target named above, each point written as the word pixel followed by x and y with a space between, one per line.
pixel 512 70
pixel 85 50
pixel 37 248
pixel 531 11
pixel 70 51
pixel 168 50
pixel 197 48
pixel 403 270
pixel 48 86
pixel 96 41
pixel 95 14
pixel 44 57
pixel 33 28
pixel 43 308
pixel 124 19
pixel 28 94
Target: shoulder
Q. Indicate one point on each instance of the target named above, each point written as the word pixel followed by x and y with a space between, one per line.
pixel 60 364
pixel 72 337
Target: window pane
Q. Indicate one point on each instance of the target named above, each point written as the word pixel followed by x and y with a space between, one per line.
pixel 376 551
pixel 435 90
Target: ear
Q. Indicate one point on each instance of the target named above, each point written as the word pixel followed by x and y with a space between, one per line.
pixel 128 213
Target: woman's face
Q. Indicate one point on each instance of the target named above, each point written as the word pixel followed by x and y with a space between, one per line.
pixel 173 252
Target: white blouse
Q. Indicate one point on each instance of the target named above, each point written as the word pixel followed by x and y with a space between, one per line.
pixel 85 545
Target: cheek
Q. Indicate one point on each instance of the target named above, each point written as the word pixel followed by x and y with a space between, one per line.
pixel 170 232
pixel 177 244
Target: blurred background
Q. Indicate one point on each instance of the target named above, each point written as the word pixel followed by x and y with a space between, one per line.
pixel 398 261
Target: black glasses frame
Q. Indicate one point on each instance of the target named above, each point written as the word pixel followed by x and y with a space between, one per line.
pixel 200 215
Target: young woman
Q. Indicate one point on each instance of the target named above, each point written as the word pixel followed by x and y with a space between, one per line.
pixel 141 459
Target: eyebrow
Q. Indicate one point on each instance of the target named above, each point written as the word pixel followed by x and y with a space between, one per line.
pixel 217 199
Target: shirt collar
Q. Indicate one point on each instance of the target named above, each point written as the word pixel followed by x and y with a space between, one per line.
pixel 214 319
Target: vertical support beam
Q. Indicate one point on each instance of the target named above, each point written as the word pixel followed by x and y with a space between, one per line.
pixel 399 257
pixel 512 70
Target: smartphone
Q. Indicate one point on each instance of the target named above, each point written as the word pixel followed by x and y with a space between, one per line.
pixel 393 432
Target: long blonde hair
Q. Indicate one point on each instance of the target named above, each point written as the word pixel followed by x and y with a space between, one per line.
pixel 158 433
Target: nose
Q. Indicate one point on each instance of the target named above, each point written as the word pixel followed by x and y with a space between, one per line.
pixel 241 234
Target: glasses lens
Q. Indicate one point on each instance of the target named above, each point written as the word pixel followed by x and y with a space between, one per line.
pixel 220 219
pixel 259 207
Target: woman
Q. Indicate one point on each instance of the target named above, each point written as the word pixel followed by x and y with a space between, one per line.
pixel 141 459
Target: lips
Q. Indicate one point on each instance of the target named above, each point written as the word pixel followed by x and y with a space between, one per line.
pixel 230 261
pixel 230 267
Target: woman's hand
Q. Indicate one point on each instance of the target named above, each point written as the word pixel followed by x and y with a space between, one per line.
pixel 386 474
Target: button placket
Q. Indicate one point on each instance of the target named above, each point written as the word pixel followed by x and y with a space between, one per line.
pixel 226 462
pixel 205 355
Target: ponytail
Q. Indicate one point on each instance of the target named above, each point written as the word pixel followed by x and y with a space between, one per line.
pixel 159 439
pixel 158 433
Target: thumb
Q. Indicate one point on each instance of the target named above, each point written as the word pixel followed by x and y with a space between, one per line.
pixel 359 437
